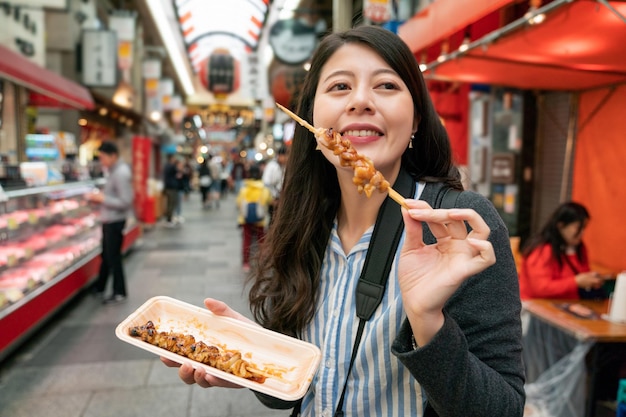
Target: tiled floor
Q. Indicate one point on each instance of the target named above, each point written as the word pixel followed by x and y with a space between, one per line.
pixel 76 367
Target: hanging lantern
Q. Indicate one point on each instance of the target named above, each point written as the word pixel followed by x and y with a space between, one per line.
pixel 220 73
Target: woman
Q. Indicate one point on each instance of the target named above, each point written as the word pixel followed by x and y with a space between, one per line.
pixel 555 262
pixel 447 331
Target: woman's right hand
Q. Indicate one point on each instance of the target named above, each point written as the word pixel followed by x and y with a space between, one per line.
pixel 589 280
pixel 186 371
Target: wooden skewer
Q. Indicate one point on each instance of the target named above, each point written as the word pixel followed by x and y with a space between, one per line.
pixel 393 194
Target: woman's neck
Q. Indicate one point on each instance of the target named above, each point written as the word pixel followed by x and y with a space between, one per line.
pixel 357 212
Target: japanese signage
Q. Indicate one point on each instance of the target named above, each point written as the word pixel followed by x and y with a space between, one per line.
pixel 142 147
pixel 22 30
pixel 124 26
pixel 503 168
pixel 99 58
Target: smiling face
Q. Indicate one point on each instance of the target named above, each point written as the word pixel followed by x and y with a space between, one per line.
pixel 363 98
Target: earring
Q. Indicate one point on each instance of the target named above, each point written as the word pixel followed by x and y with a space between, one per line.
pixel 411 141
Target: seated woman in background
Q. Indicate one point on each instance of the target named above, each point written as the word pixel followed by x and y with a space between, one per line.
pixel 555 262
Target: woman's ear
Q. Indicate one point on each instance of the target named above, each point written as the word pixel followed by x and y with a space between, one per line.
pixel 416 122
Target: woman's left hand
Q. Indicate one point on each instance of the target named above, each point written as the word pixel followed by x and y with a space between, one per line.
pixel 430 274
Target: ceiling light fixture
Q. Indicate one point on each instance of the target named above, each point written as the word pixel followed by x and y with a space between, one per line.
pixel 445 47
pixel 168 37
pixel 423 62
pixel 532 16
pixel 465 44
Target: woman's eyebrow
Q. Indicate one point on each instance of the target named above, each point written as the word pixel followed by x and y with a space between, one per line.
pixel 350 73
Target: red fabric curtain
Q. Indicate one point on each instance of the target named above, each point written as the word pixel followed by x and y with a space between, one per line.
pixel 451 102
pixel 598 180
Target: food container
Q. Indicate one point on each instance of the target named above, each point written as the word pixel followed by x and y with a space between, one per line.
pixel 292 362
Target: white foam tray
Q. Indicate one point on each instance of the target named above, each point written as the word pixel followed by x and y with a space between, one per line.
pixel 295 361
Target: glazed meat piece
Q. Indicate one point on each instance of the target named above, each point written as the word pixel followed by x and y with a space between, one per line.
pixel 366 177
pixel 186 345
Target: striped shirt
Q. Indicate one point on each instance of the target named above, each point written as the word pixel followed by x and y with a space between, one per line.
pixel 378 383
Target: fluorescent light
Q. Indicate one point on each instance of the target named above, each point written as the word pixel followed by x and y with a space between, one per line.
pixel 168 38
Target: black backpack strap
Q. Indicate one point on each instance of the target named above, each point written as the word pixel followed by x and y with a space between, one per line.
pixel 381 252
pixel 446 198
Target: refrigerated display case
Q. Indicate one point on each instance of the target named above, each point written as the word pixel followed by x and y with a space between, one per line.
pixel 49 252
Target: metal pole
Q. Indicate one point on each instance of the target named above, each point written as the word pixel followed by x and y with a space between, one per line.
pixel 613 9
pixel 569 149
pixel 342 15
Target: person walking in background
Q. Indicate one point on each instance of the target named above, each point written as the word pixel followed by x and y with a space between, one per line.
pixel 171 185
pixel 184 181
pixel 446 339
pixel 239 173
pixel 555 263
pixel 204 182
pixel 253 201
pixel 215 165
pixel 273 174
pixel 116 203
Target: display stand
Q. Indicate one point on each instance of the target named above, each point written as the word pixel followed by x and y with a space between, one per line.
pixel 30 215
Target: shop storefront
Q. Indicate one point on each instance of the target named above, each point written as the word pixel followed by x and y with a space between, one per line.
pixel 541 74
pixel 49 234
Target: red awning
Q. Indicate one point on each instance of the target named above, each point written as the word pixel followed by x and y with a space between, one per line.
pixel 47 88
pixel 579 46
pixel 443 18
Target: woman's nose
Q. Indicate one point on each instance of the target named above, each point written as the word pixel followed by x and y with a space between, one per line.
pixel 360 101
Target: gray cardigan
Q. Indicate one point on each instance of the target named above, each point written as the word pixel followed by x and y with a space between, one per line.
pixel 118 194
pixel 473 366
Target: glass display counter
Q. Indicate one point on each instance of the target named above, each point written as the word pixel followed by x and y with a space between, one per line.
pixel 49 251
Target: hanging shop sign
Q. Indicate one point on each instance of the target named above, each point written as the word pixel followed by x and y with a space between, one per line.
pixel 293 40
pixel 124 26
pixel 22 30
pixel 377 11
pixel 166 91
pixel 99 63
pixel 503 168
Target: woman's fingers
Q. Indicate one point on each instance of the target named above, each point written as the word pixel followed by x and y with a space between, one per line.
pixel 220 308
pixel 186 373
pixel 169 363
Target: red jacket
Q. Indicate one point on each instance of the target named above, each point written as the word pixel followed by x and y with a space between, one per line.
pixel 542 277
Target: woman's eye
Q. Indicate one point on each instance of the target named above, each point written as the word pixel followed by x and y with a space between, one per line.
pixel 339 86
pixel 388 86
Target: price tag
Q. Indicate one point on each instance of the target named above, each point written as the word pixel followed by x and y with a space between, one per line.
pixel 28 253
pixel 33 218
pixel 12 223
pixel 11 260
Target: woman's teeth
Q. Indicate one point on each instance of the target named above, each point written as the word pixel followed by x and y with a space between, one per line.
pixel 361 133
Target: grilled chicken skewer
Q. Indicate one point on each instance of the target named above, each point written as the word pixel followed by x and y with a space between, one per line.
pixel 366 177
pixel 186 345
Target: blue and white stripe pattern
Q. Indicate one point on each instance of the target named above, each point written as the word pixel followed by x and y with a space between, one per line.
pixel 378 384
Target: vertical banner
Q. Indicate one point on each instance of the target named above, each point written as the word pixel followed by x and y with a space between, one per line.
pixel 142 147
pixel 99 63
pixel 151 72
pixel 124 25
